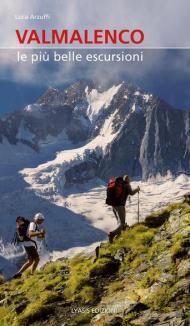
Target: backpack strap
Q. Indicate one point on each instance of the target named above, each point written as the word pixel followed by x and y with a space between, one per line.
pixel 36 229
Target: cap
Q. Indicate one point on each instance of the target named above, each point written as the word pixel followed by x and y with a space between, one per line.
pixel 127 178
pixel 39 216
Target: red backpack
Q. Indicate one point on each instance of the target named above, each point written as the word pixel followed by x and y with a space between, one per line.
pixel 114 190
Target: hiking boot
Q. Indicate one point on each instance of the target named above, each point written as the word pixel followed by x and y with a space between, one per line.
pixel 17 275
pixel 126 227
pixel 110 237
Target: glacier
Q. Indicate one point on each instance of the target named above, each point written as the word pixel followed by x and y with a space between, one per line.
pixel 64 175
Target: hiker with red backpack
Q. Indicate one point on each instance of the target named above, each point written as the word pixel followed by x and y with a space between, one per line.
pixel 118 191
pixel 27 233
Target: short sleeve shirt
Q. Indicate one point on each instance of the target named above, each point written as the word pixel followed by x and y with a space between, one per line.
pixel 32 227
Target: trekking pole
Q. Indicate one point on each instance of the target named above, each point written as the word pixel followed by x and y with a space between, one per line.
pixel 48 249
pixel 138 208
pixel 45 243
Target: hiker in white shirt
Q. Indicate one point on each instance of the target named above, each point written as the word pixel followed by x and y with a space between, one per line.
pixel 30 243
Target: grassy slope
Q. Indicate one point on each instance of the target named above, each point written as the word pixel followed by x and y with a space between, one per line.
pixel 126 269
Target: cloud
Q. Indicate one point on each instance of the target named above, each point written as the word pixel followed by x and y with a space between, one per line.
pixel 164 25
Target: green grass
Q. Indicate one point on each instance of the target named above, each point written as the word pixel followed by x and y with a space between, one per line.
pixel 157 248
pixel 130 316
pixel 186 210
pixel 87 294
pixel 136 262
pixel 34 311
pixel 82 319
pixel 79 276
pixel 151 276
pixel 41 288
pixel 38 289
pixel 100 267
pixel 136 239
pixel 6 316
pixel 54 267
pixel 82 270
pixel 177 246
pixel 79 279
pixel 136 242
pixel 1 279
pixel 161 297
pixel 115 286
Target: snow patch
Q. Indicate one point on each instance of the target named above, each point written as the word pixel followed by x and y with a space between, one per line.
pixel 97 101
pixel 45 179
pixel 88 201
pixel 34 110
pixel 154 194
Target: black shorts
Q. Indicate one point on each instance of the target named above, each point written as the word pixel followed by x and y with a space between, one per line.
pixel 32 252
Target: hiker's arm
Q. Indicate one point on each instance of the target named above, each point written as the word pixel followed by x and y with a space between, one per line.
pixel 133 192
pixel 36 233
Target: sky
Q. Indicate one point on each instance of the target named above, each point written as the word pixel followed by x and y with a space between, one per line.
pixel 165 71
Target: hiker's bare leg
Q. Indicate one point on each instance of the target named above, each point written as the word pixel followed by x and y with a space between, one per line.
pixel 26 265
pixel 35 264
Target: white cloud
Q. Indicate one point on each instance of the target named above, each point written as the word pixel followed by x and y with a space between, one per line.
pixel 165 23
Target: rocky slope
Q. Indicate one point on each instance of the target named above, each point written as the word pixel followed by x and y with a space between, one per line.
pixel 143 278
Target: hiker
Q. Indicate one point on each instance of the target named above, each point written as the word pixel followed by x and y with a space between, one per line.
pixel 117 193
pixel 28 234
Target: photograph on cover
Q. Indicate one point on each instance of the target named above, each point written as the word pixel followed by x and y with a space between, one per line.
pixel 94 163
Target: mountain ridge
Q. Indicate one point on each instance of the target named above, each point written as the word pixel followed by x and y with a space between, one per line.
pixel 150 129
pixel 77 149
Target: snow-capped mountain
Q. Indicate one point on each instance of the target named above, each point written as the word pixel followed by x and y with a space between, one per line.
pixel 58 153
pixel 137 132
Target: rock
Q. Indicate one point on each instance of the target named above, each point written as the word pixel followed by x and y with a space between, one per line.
pixel 187 198
pixel 174 315
pixel 183 287
pixel 120 255
pixel 136 307
pixel 153 221
pixel 5 302
pixel 146 319
pixel 186 241
pixel 183 252
pixel 108 268
pixel 164 262
pixel 183 268
pixel 174 318
pixel 155 287
pixel 166 277
pixel 178 224
pixel 112 308
pixel 143 267
pixel 116 321
pixel 19 308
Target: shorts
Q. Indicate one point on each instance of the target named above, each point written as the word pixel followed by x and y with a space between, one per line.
pixel 31 252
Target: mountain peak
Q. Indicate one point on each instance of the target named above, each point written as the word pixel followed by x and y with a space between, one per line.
pixel 50 96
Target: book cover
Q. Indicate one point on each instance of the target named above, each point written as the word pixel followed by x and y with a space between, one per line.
pixel 94 162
